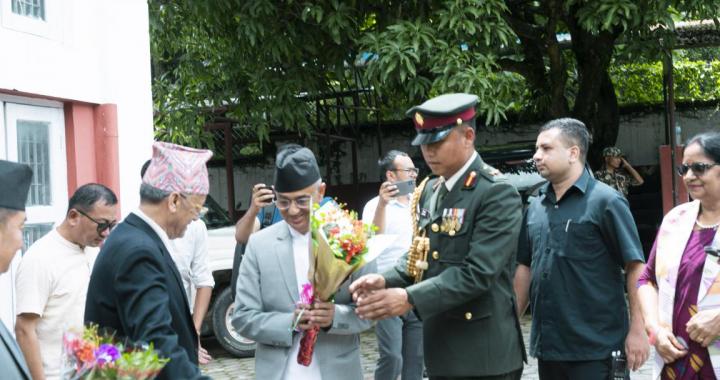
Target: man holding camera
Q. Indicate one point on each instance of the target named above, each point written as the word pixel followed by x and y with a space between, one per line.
pixel 399 338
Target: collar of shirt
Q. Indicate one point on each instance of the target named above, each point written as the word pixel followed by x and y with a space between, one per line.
pixel 297 235
pixel 67 243
pixel 156 227
pixel 450 182
pixel 581 184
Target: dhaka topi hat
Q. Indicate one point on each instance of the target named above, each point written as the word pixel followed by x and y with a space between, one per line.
pixel 177 168
pixel 295 169
pixel 15 184
pixel 436 118
pixel 612 151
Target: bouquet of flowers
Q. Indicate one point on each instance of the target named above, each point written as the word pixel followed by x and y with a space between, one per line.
pixel 89 355
pixel 341 244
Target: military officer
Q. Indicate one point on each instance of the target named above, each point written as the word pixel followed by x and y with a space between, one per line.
pixel 457 276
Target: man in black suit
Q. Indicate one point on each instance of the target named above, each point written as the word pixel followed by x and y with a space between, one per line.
pixel 13 194
pixel 135 288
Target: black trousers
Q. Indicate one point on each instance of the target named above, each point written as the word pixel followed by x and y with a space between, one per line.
pixel 514 375
pixel 586 370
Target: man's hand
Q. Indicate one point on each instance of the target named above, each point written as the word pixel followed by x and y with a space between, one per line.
pixel 322 314
pixel 261 196
pixel 387 192
pixel 301 317
pixel 384 303
pixel 667 346
pixel 637 348
pixel 365 285
pixel 704 327
pixel 203 356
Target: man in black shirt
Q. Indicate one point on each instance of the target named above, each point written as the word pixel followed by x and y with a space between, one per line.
pixel 576 238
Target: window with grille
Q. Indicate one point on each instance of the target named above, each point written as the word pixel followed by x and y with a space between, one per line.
pixel 29 8
pixel 33 232
pixel 34 149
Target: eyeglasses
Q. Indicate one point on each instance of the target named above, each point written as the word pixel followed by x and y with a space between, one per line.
pixel 408 170
pixel 200 211
pixel 101 226
pixel 698 168
pixel 302 203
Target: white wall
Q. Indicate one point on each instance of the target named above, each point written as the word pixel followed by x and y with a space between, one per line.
pixel 97 51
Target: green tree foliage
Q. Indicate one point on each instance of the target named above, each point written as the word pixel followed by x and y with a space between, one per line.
pixel 641 83
pixel 258 60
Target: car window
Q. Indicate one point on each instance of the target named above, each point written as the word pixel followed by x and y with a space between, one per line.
pixel 216 217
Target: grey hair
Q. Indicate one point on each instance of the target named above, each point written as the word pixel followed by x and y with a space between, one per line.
pixel 152 195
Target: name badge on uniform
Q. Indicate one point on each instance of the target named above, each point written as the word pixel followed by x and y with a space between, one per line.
pixel 452 220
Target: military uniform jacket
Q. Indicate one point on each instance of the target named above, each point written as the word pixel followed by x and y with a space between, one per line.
pixel 466 298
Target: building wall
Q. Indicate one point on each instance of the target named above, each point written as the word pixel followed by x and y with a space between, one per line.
pixel 92 59
pixel 96 52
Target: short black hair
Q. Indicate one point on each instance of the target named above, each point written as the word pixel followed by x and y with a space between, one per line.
pixel 573 131
pixel 87 195
pixel 709 142
pixel 144 168
pixel 387 162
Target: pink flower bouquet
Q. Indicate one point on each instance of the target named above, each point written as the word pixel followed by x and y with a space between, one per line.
pixel 341 245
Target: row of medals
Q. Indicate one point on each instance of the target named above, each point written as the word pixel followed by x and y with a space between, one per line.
pixel 452 220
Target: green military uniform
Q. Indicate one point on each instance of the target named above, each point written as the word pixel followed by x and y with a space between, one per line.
pixel 616 179
pixel 466 298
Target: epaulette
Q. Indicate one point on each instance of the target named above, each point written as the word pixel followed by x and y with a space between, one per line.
pixel 492 173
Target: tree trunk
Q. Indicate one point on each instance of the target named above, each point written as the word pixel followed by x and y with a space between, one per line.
pixel 596 103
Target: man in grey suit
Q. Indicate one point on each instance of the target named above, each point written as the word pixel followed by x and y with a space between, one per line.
pixel 13 194
pixel 272 273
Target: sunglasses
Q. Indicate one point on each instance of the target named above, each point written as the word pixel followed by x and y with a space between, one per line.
pixel 101 226
pixel 698 168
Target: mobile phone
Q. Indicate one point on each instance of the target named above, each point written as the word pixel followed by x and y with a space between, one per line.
pixel 405 187
pixel 267 187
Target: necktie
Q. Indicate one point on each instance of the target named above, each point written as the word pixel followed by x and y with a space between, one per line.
pixel 442 192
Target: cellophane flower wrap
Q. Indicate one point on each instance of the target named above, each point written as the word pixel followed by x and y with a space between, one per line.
pixel 90 355
pixel 341 245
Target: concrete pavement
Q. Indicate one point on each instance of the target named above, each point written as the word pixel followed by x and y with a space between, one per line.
pixel 225 366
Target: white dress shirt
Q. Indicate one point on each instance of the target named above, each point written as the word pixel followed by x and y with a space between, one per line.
pixel 301 255
pixel 190 254
pixel 398 221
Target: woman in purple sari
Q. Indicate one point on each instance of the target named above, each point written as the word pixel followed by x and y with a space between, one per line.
pixel 678 292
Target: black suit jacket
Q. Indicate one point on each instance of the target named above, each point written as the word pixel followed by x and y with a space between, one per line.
pixel 136 291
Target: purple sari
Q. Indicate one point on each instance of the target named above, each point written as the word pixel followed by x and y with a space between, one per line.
pixel 696 364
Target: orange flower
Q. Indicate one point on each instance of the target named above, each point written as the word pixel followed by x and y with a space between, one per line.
pixel 86 353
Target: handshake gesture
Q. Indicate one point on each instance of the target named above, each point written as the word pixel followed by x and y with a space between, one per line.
pixel 374 302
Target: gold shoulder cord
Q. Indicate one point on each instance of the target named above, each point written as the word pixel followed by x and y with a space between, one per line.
pixel 417 254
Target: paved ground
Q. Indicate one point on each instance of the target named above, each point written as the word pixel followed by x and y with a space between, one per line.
pixel 227 367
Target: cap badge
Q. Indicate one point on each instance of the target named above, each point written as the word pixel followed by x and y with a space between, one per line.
pixel 419 119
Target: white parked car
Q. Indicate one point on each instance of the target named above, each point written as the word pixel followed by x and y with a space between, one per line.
pixel 221 250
